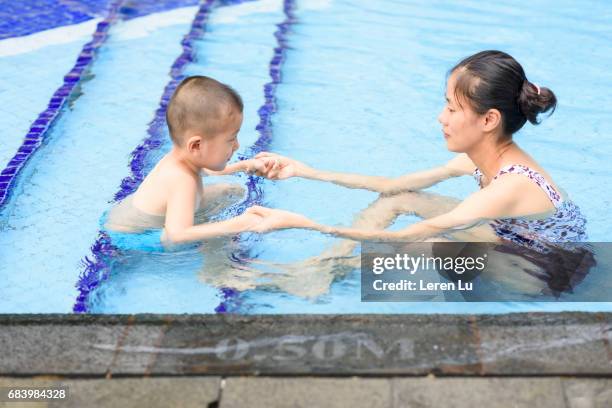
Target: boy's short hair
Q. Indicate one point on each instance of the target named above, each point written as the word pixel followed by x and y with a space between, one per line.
pixel 202 104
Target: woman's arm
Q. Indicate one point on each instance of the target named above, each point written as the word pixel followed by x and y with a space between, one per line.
pixel 385 185
pixel 495 201
pixel 287 167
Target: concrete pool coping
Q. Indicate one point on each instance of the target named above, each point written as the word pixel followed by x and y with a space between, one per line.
pixel 518 344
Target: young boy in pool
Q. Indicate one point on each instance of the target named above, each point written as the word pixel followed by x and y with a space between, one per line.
pixel 204 117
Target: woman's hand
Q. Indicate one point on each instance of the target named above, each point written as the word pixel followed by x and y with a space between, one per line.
pixel 273 219
pixel 280 167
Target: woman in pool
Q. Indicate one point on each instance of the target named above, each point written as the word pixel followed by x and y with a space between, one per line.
pixel 488 99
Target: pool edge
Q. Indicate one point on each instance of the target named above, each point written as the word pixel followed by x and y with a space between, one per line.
pixel 518 344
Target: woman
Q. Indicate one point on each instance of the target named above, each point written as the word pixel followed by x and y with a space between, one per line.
pixel 488 99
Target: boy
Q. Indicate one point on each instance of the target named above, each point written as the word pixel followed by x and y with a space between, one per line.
pixel 204 117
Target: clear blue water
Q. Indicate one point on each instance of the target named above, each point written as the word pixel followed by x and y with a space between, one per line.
pixel 25 89
pixel 362 87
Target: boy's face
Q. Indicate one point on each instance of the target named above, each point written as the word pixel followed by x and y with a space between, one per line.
pixel 216 150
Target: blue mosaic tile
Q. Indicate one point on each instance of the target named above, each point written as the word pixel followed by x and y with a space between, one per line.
pixel 9 171
pixel 25 149
pixel 19 18
pixel 18 159
pixel 139 8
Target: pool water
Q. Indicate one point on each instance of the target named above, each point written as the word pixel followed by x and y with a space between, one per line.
pixel 361 85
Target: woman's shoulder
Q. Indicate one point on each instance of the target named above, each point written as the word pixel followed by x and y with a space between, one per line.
pixel 533 193
pixel 527 171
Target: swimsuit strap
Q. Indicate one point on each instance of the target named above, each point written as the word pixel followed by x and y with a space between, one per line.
pixel 534 176
pixel 478 176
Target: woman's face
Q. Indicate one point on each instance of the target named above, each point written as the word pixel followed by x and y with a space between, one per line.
pixel 462 127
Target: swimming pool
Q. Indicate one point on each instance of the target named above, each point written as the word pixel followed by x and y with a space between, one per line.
pixel 350 87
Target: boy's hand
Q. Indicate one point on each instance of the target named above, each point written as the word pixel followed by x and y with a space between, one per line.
pixel 279 167
pixel 250 220
pixel 258 167
pixel 272 219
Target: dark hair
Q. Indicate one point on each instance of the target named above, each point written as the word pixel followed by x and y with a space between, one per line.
pixel 495 80
pixel 200 103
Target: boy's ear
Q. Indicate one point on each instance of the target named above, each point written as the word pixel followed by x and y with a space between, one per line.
pixel 194 143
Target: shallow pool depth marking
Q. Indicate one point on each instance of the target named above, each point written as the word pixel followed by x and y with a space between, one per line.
pixel 102 250
pixel 264 127
pixel 39 128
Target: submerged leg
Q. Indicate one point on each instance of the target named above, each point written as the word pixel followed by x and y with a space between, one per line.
pixel 313 276
pixel 383 212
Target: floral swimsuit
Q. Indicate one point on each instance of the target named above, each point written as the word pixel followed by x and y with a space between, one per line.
pixel 567 224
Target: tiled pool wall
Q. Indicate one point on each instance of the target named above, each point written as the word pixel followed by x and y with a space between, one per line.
pixel 20 18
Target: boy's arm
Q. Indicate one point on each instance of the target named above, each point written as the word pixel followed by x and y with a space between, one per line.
pixel 180 210
pixel 247 166
pixel 286 167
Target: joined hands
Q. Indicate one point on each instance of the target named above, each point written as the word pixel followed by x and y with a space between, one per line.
pixel 275 167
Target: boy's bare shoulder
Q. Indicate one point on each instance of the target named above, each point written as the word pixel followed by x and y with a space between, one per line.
pixel 172 173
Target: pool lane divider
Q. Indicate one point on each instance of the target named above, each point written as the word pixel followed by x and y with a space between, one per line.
pixel 96 267
pixel 37 133
pixel 265 112
pixel 230 297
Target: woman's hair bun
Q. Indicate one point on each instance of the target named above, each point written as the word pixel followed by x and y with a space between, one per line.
pixel 534 100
